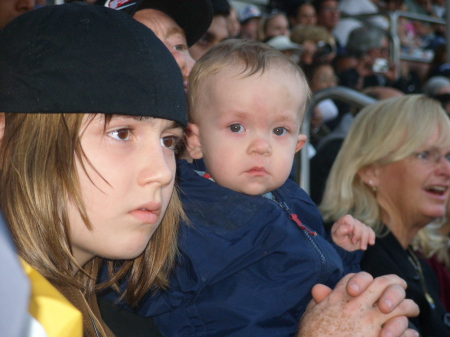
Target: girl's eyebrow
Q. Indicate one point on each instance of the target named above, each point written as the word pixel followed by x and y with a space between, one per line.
pixel 172 125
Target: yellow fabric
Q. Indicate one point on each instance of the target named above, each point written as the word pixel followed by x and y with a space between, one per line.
pixel 53 311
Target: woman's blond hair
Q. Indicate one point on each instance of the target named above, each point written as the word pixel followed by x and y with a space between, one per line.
pixel 37 176
pixel 430 242
pixel 382 133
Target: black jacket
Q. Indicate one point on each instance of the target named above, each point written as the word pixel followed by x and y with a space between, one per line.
pixel 387 256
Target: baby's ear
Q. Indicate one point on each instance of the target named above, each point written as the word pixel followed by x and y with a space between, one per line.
pixel 300 142
pixel 193 145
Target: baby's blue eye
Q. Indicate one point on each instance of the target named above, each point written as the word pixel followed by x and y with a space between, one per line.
pixel 121 134
pixel 236 128
pixel 279 131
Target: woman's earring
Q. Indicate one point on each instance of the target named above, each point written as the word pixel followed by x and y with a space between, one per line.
pixel 374 188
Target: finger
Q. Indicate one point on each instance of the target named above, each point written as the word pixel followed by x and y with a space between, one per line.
pixel 320 292
pixel 372 236
pixel 357 231
pixel 394 327
pixel 383 290
pixel 410 333
pixel 364 238
pixel 358 283
pixel 391 297
pixel 407 308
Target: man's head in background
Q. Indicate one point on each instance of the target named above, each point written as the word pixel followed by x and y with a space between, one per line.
pixel 177 23
pixel 328 13
pixel 249 16
pixel 217 31
pixel 10 9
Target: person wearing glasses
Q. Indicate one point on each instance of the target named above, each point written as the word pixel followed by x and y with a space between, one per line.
pixel 393 174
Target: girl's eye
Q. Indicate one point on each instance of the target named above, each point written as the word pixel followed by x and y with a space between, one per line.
pixel 236 128
pixel 169 141
pixel 279 131
pixel 121 134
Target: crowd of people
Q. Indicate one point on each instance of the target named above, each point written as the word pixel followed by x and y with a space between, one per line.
pixel 146 149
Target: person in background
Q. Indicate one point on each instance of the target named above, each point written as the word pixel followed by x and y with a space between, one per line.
pixel 69 114
pixel 370 46
pixel 301 12
pixel 234 26
pixel 321 76
pixel 436 85
pixel 273 24
pixel 328 16
pixel 10 9
pixel 319 45
pixel 249 17
pixel 217 31
pixel 393 173
pixel 286 47
pixel 177 23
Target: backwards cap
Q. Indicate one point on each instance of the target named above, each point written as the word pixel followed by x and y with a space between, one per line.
pixel 76 58
pixel 193 16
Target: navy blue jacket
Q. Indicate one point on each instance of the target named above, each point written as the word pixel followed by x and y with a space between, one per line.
pixel 245 268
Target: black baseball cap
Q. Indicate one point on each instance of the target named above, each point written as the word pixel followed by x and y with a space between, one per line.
pixel 77 58
pixel 193 16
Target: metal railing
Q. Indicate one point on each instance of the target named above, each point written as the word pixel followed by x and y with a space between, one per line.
pixel 347 95
pixel 393 18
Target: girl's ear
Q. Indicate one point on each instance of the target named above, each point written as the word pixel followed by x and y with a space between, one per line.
pixel 2 125
pixel 370 175
pixel 193 144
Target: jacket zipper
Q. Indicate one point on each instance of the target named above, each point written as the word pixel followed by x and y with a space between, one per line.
pixel 309 233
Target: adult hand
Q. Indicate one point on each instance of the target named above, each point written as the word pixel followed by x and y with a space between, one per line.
pixel 360 306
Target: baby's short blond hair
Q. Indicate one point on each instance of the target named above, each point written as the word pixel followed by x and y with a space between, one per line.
pixel 251 56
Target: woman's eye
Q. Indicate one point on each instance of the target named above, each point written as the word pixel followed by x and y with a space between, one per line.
pixel 236 128
pixel 121 134
pixel 279 131
pixel 423 155
pixel 169 141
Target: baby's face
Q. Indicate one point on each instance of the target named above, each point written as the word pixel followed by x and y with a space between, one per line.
pixel 249 129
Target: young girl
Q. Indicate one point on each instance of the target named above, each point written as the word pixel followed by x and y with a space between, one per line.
pixel 87 139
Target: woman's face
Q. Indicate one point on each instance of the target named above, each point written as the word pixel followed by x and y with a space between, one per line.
pixel 415 190
pixel 129 178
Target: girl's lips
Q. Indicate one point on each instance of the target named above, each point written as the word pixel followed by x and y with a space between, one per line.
pixel 145 216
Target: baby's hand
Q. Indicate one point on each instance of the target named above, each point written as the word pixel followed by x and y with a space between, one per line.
pixel 351 234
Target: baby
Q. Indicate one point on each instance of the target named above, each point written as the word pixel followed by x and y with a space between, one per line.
pixel 255 245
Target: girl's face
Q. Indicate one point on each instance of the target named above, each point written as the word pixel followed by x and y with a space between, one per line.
pixel 126 185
